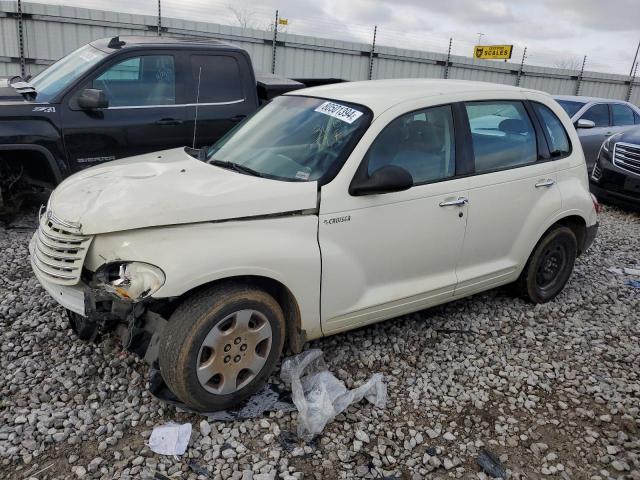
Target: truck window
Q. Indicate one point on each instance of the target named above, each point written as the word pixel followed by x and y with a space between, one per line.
pixel 220 79
pixel 147 80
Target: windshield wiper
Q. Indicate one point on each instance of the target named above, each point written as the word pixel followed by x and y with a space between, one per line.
pixel 235 166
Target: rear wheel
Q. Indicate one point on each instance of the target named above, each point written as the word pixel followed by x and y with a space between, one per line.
pixel 220 346
pixel 549 267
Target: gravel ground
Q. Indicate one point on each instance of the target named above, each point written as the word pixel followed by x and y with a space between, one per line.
pixel 553 390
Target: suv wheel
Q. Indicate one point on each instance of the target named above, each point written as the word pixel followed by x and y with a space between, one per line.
pixel 220 345
pixel 549 267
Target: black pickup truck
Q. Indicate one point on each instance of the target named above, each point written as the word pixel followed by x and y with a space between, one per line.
pixel 123 96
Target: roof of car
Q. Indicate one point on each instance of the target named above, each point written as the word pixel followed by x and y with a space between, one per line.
pixel 380 95
pixel 171 42
pixel 585 99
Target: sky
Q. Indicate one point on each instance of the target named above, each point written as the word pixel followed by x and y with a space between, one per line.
pixel 556 32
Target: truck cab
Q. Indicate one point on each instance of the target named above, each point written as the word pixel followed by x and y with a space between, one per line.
pixel 119 97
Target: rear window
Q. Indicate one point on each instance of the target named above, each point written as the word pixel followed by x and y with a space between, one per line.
pixel 219 79
pixel 555 133
pixel 571 106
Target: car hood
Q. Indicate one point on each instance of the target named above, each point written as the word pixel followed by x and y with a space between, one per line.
pixel 169 188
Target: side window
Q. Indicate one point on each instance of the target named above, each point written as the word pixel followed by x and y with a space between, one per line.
pixel 139 81
pixel 502 135
pixel 421 142
pixel 622 115
pixel 636 118
pixel 598 114
pixel 554 131
pixel 219 78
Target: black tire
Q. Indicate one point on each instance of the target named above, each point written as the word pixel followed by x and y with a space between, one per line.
pixel 193 320
pixel 549 266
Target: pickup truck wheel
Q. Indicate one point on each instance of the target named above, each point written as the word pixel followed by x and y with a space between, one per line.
pixel 549 266
pixel 220 346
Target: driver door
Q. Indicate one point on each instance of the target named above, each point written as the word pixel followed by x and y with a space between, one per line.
pixel 145 113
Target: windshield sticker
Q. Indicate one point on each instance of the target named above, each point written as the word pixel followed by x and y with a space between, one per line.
pixel 4 82
pixel 346 114
pixel 303 174
pixel 88 56
pixel 44 109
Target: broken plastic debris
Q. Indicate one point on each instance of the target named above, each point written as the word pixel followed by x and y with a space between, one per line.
pixel 491 464
pixel 633 283
pixel 268 399
pixel 170 439
pixel 626 271
pixel 319 396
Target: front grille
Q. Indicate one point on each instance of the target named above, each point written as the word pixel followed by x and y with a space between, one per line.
pixel 59 250
pixel 627 157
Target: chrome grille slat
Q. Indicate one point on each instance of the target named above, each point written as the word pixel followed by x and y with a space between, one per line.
pixel 627 157
pixel 60 250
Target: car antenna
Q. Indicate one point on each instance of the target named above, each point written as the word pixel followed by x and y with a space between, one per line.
pixel 195 121
pixel 115 42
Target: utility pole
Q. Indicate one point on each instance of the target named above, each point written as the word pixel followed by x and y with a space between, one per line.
pixel 275 40
pixel 21 39
pixel 373 47
pixel 635 58
pixel 579 81
pixel 521 71
pixel 448 62
pixel 480 35
pixel 159 19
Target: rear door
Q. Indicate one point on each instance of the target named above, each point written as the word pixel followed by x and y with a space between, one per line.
pixel 221 92
pixel 511 193
pixel 145 112
pixel 592 138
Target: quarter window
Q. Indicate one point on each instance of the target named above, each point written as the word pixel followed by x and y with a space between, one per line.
pixel 554 131
pixel 139 81
pixel 598 114
pixel 219 78
pixel 502 135
pixel 421 142
pixel 622 115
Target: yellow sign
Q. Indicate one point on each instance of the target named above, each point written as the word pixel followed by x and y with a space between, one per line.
pixel 493 51
pixel 283 21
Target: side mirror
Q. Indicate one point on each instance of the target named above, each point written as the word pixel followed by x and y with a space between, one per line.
pixel 584 123
pixel 92 99
pixel 387 179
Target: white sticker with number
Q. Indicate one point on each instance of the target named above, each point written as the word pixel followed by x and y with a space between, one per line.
pixel 4 82
pixel 346 114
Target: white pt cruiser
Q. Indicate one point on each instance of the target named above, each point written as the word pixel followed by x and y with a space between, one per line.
pixel 330 208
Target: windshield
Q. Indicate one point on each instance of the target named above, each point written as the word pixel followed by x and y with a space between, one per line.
pixel 570 106
pixel 294 138
pixel 66 70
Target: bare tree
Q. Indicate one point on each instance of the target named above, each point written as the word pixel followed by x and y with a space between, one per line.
pixel 568 62
pixel 244 17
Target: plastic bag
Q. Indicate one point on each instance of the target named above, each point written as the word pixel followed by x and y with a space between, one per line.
pixel 170 439
pixel 319 396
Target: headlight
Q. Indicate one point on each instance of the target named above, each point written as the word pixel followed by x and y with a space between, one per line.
pixel 607 146
pixel 131 281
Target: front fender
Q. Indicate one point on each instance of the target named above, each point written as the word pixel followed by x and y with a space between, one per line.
pixel 283 248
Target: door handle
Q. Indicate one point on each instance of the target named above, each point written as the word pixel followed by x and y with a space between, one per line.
pixel 548 182
pixel 237 118
pixel 169 121
pixel 458 202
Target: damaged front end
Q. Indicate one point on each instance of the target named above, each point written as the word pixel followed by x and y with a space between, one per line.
pixel 117 297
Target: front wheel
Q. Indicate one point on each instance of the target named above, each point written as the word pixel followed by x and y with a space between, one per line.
pixel 549 267
pixel 220 346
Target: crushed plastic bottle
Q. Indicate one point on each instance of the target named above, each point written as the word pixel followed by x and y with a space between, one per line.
pixel 319 396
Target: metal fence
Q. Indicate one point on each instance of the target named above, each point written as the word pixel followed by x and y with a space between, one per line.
pixel 34 35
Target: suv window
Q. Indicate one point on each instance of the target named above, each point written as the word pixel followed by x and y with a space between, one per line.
pixel 421 142
pixel 219 79
pixel 139 81
pixel 554 131
pixel 598 114
pixel 502 134
pixel 622 115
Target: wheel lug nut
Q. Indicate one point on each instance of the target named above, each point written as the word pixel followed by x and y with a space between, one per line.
pixel 227 359
pixel 243 347
pixel 236 358
pixel 237 340
pixel 227 347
